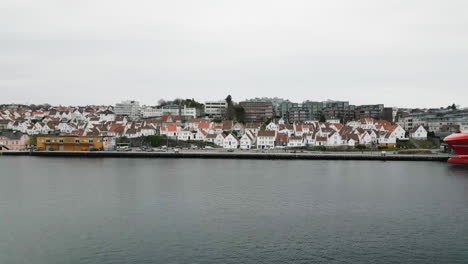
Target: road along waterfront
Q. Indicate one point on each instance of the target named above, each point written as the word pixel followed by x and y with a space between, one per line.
pixel 239 155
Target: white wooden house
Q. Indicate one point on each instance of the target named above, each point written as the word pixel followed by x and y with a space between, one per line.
pixel 266 139
pixel 296 141
pixel 231 142
pixel 419 133
pixel 219 139
pixel 247 141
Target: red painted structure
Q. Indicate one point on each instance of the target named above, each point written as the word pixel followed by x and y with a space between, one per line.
pixel 458 141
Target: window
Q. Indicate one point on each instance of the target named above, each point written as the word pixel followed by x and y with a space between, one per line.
pixel 90 141
pixel 47 141
pixel 61 140
pixel 77 141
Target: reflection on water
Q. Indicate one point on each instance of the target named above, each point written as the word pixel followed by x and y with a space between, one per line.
pixel 458 169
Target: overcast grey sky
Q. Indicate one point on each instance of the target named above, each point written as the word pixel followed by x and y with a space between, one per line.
pixel 401 53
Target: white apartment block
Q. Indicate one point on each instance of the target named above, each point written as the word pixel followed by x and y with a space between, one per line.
pixel 408 123
pixel 128 108
pixel 216 108
pixel 173 110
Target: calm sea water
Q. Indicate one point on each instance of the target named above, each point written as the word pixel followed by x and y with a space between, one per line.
pixel 55 210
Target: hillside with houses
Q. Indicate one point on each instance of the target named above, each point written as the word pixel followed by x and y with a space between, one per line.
pixel 227 134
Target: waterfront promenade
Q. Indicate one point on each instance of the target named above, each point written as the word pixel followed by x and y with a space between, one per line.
pixel 238 155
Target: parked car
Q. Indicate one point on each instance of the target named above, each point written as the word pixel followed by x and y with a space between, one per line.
pixel 230 150
pixel 176 150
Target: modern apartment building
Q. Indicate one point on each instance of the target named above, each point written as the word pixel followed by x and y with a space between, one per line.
pixel 284 109
pixel 174 110
pixel 314 109
pixel 216 108
pixel 128 108
pixel 257 109
pixel 338 110
pixel 373 111
pixel 298 114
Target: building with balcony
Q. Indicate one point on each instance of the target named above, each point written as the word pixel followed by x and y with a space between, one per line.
pixel 298 114
pixel 338 110
pixel 372 111
pixel 257 109
pixel 128 108
pixel 174 110
pixel 216 108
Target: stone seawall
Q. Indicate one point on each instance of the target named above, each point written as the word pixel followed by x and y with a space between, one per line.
pixel 233 155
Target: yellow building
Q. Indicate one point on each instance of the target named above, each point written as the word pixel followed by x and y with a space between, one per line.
pixel 75 143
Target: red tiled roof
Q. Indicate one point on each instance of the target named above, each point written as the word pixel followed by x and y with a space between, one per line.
pixel 204 125
pixel 266 133
pixel 169 128
pixel 174 118
pixel 211 136
pixel 227 124
pixel 117 128
pixel 281 138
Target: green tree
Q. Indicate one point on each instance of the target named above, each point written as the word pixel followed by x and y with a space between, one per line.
pixel 360 147
pixel 229 99
pixel 322 118
pixel 230 111
pixel 182 102
pixel 32 141
pixel 155 141
pixel 240 114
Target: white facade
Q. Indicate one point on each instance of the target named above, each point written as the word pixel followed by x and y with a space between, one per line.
pixel 146 131
pixel 219 139
pixel 107 116
pixel 386 138
pixel 399 132
pixel 266 140
pixel 185 135
pixel 246 141
pixel 334 139
pixel 272 126
pixel 128 108
pixel 333 121
pixel 173 110
pixel 296 142
pixel 230 142
pixel 200 135
pixel 215 108
pixel 419 133
pixel 408 123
